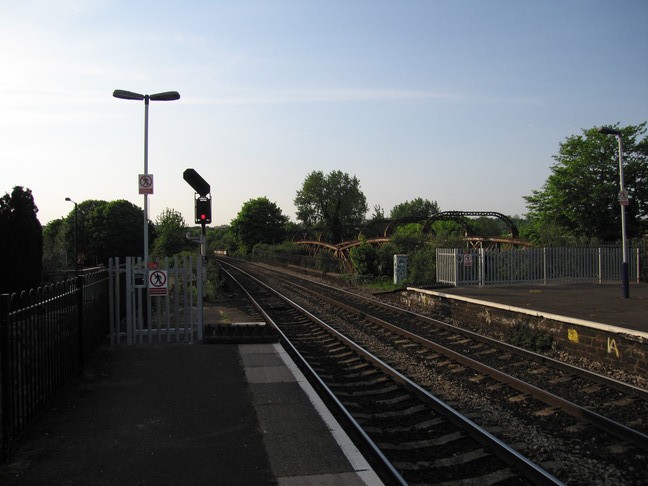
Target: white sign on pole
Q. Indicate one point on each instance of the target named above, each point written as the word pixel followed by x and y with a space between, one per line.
pixel 158 282
pixel 145 183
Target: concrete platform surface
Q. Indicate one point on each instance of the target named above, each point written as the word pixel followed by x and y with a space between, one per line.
pixel 600 303
pixel 186 414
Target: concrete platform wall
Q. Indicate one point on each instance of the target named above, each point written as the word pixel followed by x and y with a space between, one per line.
pixel 621 348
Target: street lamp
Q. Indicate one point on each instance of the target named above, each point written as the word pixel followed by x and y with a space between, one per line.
pixel 76 225
pixel 129 95
pixel 623 200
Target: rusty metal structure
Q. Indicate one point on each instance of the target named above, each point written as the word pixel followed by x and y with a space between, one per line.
pixel 379 231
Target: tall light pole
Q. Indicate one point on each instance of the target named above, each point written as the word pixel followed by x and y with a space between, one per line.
pixel 623 200
pixel 76 226
pixel 129 95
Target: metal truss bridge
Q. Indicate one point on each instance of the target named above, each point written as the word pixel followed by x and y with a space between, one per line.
pixel 379 231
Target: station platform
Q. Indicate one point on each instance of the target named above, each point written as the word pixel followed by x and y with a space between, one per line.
pixel 597 303
pixel 187 414
pixel 232 414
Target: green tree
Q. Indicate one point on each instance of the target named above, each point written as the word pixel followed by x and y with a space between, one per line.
pixel 485 226
pixel 114 229
pixel 409 238
pixel 365 259
pixel 220 239
pixel 421 266
pixel 579 199
pixel 378 212
pixel 333 201
pixel 78 229
pixel 258 221
pixel 417 208
pixel 170 234
pixel 21 243
pixel 54 246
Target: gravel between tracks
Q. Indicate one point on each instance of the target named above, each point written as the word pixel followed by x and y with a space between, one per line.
pixel 562 457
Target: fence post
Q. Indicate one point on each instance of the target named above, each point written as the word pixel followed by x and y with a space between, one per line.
pixel 544 264
pixel 600 265
pixel 199 296
pixel 5 302
pixel 483 278
pixel 79 292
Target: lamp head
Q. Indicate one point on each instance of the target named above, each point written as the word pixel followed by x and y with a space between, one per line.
pixel 127 95
pixel 608 131
pixel 166 96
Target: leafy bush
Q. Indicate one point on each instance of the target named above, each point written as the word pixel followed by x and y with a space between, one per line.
pixel 524 336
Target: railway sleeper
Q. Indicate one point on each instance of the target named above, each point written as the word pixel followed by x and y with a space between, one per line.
pixel 358 384
pixel 422 444
pixel 391 414
pixel 420 426
pixel 395 400
pixel 367 393
pixel 458 460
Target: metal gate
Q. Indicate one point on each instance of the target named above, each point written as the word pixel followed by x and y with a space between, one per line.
pixel 160 302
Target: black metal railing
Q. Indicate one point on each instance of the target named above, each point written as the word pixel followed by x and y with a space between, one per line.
pixel 45 334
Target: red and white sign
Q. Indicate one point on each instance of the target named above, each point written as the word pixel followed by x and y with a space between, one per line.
pixel 467 260
pixel 158 282
pixel 623 198
pixel 145 183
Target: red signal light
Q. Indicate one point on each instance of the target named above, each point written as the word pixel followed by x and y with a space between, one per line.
pixel 203 210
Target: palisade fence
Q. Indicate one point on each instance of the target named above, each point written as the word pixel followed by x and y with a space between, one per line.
pixel 45 334
pixel 534 266
pixel 139 317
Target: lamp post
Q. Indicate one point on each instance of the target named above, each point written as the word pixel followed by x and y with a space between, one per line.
pixel 76 226
pixel 129 95
pixel 623 200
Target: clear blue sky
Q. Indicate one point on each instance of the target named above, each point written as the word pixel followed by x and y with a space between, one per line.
pixel 461 102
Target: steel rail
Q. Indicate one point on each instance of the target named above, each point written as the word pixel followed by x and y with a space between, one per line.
pixel 554 363
pixel 500 449
pixel 560 365
pixel 383 466
pixel 610 426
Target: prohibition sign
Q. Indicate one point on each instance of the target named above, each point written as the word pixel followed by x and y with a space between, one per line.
pixel 145 182
pixel 468 260
pixel 158 284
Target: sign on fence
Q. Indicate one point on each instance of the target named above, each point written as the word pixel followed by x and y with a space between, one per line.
pixel 158 282
pixel 467 260
pixel 166 308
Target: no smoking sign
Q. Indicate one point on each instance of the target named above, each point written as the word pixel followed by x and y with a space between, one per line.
pixel 158 282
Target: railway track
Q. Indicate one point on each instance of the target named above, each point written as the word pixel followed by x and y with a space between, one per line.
pixel 590 429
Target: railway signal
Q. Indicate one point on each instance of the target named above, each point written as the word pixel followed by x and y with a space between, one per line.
pixel 203 210
pixel 202 201
pixel 194 179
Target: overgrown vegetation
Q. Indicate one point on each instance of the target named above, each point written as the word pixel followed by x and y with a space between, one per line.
pixel 577 206
pixel 528 338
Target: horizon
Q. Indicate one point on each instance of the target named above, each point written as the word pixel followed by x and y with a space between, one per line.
pixel 461 103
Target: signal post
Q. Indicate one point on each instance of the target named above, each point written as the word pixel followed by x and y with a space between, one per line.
pixel 202 204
